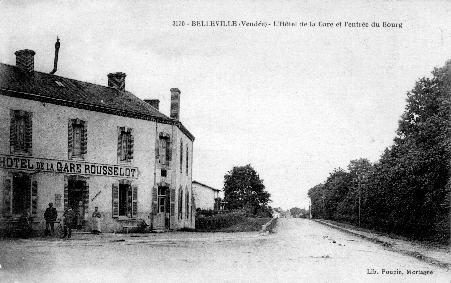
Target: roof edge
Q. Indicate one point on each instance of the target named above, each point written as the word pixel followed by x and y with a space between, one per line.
pixel 199 183
pixel 96 108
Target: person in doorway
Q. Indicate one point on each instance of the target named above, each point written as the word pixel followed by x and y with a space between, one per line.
pixel 69 217
pixel 25 223
pixel 80 213
pixel 96 229
pixel 50 216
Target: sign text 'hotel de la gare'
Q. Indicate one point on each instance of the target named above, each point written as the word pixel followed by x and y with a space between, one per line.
pixel 67 166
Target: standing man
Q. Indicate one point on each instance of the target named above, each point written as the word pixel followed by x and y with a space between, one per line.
pixel 50 216
pixel 69 217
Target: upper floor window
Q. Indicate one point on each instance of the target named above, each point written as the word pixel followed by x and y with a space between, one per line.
pixel 21 131
pixel 181 156
pixel 77 138
pixel 164 152
pixel 125 144
pixel 187 160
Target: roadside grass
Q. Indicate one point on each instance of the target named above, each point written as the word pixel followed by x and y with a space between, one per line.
pixel 428 243
pixel 229 222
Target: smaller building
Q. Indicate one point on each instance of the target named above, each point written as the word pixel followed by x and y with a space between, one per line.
pixel 206 197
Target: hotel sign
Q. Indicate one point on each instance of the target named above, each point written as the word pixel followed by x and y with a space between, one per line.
pixel 67 166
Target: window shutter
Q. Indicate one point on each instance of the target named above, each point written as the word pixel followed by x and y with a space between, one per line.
pixel 7 196
pixel 172 200
pixel 66 192
pixel 119 143
pixel 12 131
pixel 187 159
pixel 28 131
pixel 84 137
pixel 70 137
pixel 115 200
pixel 131 145
pixel 181 156
pixel 169 151
pixel 154 200
pixel 134 201
pixel 163 151
pixel 86 196
pixel 34 197
pixel 157 149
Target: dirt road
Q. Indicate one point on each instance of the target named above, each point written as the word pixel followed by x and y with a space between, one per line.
pixel 300 251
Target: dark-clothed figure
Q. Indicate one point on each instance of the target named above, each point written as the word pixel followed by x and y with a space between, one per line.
pixel 69 216
pixel 25 223
pixel 50 216
pixel 96 229
pixel 79 213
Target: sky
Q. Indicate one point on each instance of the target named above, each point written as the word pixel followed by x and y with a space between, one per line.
pixel 294 102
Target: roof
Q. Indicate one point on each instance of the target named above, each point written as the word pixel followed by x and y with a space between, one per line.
pixel 203 185
pixel 69 92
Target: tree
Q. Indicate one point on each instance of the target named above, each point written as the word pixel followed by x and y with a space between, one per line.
pixel 408 190
pixel 243 189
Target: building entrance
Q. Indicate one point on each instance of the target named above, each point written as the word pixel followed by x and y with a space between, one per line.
pixel 77 199
pixel 162 219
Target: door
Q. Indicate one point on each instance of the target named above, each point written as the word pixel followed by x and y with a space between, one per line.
pixel 77 196
pixel 161 220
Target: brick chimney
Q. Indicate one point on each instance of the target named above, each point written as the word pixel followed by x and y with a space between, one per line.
pixel 117 80
pixel 25 60
pixel 155 103
pixel 175 103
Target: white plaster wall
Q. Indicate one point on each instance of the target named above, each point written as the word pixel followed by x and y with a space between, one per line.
pixel 50 141
pixel 204 197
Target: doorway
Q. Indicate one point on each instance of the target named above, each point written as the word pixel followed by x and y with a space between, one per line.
pixel 162 219
pixel 77 199
pixel 21 195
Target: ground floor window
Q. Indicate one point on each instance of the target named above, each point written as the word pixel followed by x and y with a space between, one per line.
pixel 125 199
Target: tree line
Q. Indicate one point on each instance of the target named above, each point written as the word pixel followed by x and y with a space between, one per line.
pixel 407 191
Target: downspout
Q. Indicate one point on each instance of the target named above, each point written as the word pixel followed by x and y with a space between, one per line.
pixel 154 176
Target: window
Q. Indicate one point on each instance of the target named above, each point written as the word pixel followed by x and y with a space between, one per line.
pixel 187 204
pixel 77 138
pixel 180 202
pixel 21 131
pixel 125 199
pixel 125 144
pixel 164 152
pixel 187 160
pixel 181 156
pixel 162 199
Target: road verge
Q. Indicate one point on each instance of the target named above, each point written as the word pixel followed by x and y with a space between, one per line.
pixel 438 258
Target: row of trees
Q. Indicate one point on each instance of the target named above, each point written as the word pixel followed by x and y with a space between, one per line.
pixel 408 190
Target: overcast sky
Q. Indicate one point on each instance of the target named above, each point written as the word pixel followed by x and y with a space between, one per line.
pixel 293 102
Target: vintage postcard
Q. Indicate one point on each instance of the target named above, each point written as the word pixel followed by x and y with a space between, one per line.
pixel 225 141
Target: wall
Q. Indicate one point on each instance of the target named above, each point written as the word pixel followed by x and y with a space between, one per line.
pixel 50 140
pixel 204 197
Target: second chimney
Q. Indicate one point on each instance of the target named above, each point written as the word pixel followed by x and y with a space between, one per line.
pixel 117 80
pixel 155 103
pixel 25 60
pixel 175 103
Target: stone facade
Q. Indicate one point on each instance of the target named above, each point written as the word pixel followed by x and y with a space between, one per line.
pixel 126 165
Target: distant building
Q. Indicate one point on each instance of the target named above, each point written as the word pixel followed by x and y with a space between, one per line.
pixel 206 197
pixel 83 145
